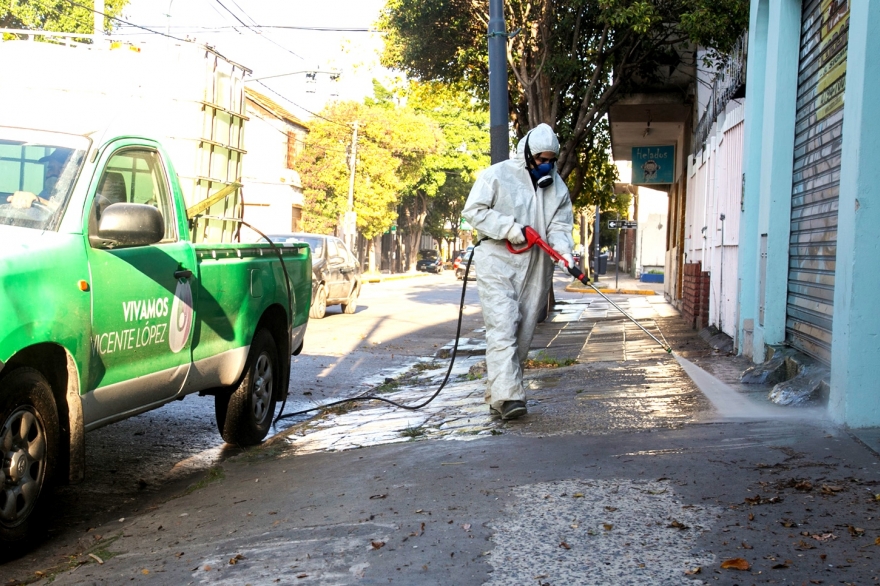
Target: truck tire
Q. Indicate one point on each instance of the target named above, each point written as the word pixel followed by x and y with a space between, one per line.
pixel 351 304
pixel 28 456
pixel 245 414
pixel 319 307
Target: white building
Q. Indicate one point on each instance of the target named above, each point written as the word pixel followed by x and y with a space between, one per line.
pixel 272 193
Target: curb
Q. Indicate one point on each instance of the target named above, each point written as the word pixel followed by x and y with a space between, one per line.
pixel 573 289
pixel 395 277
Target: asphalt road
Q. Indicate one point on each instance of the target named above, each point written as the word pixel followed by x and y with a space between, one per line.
pixel 133 464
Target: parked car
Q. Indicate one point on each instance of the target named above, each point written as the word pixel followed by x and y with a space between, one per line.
pixel 336 273
pixel 462 266
pixel 429 261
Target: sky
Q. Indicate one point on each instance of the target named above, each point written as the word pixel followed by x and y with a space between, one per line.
pixel 272 51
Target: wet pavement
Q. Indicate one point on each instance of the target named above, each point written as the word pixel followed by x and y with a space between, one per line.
pixel 633 466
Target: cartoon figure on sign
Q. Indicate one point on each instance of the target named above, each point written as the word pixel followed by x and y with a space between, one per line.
pixel 181 317
pixel 649 169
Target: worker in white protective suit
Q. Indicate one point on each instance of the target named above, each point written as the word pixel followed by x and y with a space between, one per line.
pixel 512 194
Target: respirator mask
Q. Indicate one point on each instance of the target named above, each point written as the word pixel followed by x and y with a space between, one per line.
pixel 541 173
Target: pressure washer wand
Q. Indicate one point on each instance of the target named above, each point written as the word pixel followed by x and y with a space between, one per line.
pixel 533 238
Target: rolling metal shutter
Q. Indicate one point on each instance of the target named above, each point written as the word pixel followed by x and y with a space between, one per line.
pixel 816 180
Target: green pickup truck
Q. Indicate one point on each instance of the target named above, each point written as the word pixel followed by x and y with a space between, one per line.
pixel 109 309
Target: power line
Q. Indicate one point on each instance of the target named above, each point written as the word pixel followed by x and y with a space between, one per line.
pixel 117 19
pixel 256 32
pixel 328 29
pixel 288 100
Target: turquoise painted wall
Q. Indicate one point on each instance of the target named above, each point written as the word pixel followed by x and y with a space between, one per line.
pixel 769 160
pixel 855 346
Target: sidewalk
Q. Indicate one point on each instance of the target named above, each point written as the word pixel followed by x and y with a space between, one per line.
pixel 623 472
pixel 614 282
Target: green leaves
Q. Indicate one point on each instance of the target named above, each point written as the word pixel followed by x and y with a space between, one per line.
pixel 56 15
pixel 393 142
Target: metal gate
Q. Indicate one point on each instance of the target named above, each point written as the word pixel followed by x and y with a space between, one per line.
pixel 816 180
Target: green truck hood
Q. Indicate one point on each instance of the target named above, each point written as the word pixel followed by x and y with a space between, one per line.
pixel 35 309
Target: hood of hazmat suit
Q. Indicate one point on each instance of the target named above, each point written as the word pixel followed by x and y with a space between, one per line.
pixel 514 288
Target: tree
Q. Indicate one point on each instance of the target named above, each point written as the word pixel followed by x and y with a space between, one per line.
pixel 392 143
pixel 437 200
pixel 567 61
pixel 57 15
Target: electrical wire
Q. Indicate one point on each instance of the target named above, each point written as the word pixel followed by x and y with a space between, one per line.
pixel 117 19
pixel 320 29
pixel 282 415
pixel 288 100
pixel 258 33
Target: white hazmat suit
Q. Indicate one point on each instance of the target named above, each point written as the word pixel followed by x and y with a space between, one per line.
pixel 514 287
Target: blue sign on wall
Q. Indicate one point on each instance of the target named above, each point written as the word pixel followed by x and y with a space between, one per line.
pixel 653 165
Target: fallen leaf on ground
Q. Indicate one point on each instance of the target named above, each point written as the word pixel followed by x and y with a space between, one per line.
pixel 824 536
pixel 378 496
pixel 788 523
pixel 96 558
pixel 610 509
pixel 877 541
pixel 746 545
pixel 578 495
pixel 831 489
pixel 693 572
pixel 238 557
pixel 564 545
pixel 759 500
pixel 735 564
pixel 466 526
pixel 608 526
pixel 145 571
pixel 781 565
pixel 377 544
pixel 676 524
pixel 856 531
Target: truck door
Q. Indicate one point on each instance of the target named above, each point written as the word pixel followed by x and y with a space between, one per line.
pixel 142 307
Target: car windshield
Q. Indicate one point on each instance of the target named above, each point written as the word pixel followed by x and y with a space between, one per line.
pixel 316 243
pixel 428 255
pixel 37 174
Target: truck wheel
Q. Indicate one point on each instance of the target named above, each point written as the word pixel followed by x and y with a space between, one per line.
pixel 245 415
pixel 351 304
pixel 319 307
pixel 28 455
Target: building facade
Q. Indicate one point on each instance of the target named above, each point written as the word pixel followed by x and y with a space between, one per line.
pixel 808 251
pixel 272 192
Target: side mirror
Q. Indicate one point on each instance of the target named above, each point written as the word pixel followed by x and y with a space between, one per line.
pixel 124 225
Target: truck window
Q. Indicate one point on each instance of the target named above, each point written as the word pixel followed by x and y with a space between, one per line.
pixel 136 176
pixel 37 173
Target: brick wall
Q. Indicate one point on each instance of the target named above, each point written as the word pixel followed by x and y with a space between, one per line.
pixel 695 295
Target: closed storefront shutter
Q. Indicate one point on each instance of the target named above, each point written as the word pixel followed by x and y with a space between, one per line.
pixel 816 180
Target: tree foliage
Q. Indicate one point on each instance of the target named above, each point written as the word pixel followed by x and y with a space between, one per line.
pixel 56 15
pixel 567 61
pixel 450 172
pixel 392 145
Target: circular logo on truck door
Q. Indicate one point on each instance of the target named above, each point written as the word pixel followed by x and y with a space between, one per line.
pixel 181 317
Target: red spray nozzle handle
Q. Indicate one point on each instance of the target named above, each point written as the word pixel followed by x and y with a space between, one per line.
pixel 533 238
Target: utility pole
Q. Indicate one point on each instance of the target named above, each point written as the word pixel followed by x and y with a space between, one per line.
pixel 596 238
pixel 498 112
pixel 349 225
